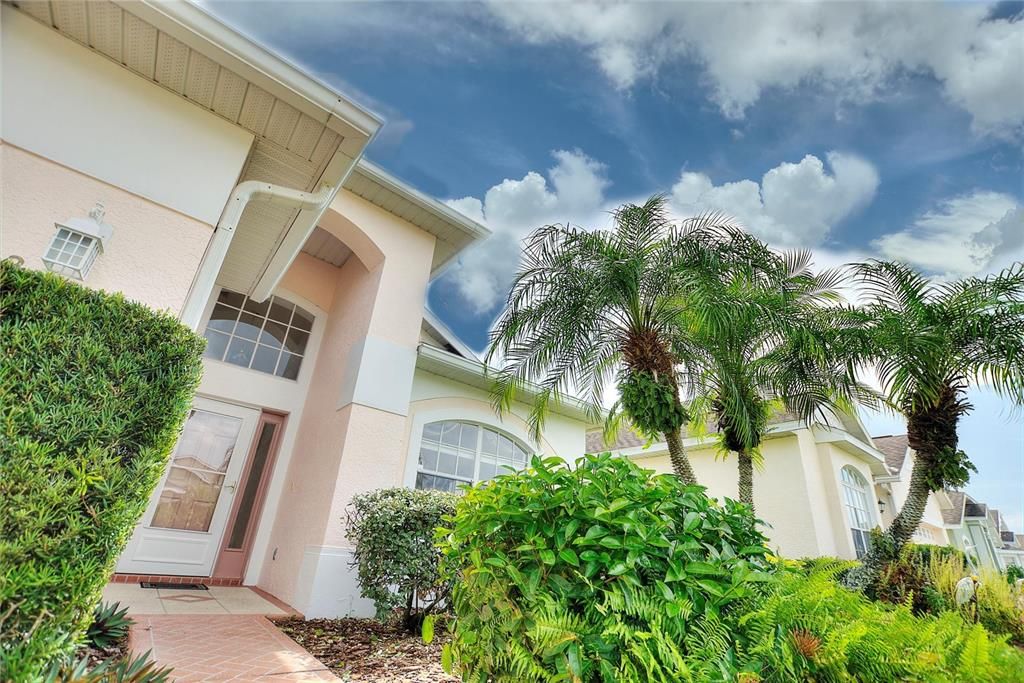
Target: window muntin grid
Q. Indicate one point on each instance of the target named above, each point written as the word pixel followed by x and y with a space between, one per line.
pixel 855 498
pixel 71 253
pixel 454 453
pixel 270 337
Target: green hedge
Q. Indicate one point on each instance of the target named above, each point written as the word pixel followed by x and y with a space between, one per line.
pixel 94 391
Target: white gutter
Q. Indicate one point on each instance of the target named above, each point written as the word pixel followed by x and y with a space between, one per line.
pixel 213 259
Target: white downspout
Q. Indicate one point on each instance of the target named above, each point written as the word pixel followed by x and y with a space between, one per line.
pixel 244 192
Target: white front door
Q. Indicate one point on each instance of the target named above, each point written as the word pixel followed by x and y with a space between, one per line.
pixel 181 531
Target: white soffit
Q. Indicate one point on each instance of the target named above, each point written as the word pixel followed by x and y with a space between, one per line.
pixel 303 140
pixel 326 247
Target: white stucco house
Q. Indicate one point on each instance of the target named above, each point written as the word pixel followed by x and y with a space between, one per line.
pixel 148 149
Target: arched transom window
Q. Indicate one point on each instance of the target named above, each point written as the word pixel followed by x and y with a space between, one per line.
pixel 270 336
pixel 453 453
pixel 858 508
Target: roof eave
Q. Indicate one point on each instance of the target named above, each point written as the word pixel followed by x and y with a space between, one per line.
pixel 444 332
pixel 441 210
pixel 475 373
pixel 200 30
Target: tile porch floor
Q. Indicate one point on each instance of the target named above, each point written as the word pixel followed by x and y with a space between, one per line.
pixel 217 600
pixel 222 634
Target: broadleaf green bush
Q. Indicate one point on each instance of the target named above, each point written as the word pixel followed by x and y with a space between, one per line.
pixel 94 391
pixel 395 557
pixel 598 572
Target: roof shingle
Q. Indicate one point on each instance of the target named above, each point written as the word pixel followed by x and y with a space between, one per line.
pixel 894 448
pixel 954 515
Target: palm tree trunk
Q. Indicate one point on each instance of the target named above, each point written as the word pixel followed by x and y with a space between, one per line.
pixel 746 467
pixel 899 532
pixel 677 454
pixel 903 527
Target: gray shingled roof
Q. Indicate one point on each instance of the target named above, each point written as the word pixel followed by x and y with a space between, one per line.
pixel 954 515
pixel 626 438
pixel 975 509
pixel 894 448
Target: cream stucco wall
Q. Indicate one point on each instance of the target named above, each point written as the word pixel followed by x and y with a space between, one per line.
pixel 796 493
pixel 152 256
pixel 436 398
pixel 67 103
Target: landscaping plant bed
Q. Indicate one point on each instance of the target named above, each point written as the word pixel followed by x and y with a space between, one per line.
pixel 367 650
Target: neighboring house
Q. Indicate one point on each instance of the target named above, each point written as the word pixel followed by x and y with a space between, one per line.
pixel 816 492
pixel 824 486
pixel 234 195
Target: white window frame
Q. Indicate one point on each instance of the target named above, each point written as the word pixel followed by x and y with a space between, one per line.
pixel 483 416
pixel 312 341
pixel 850 492
pixel 477 451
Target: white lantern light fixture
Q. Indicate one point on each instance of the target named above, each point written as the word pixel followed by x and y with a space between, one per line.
pixel 77 243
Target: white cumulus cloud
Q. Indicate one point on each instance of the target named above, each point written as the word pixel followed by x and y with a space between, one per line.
pixel 573 191
pixel 968 234
pixel 857 49
pixel 794 205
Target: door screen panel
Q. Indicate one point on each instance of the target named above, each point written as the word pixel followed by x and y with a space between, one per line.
pixel 252 486
pixel 196 477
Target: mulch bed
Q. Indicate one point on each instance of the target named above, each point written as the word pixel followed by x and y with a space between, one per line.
pixel 367 650
pixel 96 655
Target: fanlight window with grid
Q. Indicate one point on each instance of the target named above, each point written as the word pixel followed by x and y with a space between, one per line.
pixel 858 509
pixel 270 337
pixel 454 453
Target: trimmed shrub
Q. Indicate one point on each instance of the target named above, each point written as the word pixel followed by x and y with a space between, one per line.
pixel 812 629
pixel 1014 573
pixel 598 572
pixel 95 389
pixel 395 556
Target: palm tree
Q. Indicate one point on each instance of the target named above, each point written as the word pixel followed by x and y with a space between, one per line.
pixel 749 348
pixel 928 342
pixel 591 307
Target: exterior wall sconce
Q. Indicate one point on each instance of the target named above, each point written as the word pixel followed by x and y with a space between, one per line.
pixel 881 506
pixel 77 243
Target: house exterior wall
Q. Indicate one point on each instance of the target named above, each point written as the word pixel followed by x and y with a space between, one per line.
pixel 62 101
pixel 353 424
pixel 783 495
pixel 435 398
pixel 836 459
pixel 152 256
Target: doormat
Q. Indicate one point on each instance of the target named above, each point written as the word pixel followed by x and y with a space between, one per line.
pixel 175 586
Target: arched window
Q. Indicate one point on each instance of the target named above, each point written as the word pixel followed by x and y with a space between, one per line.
pixel 453 453
pixel 270 337
pixel 858 509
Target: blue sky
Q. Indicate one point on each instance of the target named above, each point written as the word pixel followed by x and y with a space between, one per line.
pixel 855 130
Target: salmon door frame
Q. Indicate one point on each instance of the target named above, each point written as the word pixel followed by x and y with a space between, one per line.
pixel 233 557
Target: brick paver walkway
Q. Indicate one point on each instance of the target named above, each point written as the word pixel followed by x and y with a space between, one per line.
pixel 222 647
